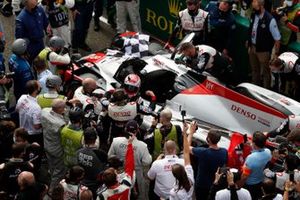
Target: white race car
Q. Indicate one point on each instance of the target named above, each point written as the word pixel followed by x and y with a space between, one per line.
pixel 245 109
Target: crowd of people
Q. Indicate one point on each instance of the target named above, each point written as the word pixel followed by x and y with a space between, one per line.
pixel 89 144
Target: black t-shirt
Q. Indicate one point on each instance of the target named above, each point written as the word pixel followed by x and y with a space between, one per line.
pixel 10 173
pixel 32 192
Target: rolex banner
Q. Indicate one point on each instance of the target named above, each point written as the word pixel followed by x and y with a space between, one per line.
pixel 159 16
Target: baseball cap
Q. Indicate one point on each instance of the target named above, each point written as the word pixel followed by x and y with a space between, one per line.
pixel 131 126
pixel 90 134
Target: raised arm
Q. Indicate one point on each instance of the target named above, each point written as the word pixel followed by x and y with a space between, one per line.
pixel 192 130
pixel 186 145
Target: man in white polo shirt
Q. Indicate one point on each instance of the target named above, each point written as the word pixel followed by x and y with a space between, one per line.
pixel 30 112
pixel 161 170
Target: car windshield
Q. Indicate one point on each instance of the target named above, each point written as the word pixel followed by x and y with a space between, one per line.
pixel 188 80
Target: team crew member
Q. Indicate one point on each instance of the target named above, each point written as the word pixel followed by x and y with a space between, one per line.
pixel 205 58
pixel 53 84
pixel 161 171
pixel 55 54
pixel 142 156
pixel 167 131
pixel 253 170
pixel 286 68
pixel 19 65
pixel 192 19
pixel 52 120
pixel 288 22
pixel 263 34
pixel 120 111
pixel 30 112
pixel 58 16
pixel 92 160
pixel 31 24
pixel 72 136
pixel 84 95
pixel 119 189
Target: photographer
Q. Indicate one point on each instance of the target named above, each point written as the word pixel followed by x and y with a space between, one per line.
pixel 288 18
pixel 290 173
pixel 225 187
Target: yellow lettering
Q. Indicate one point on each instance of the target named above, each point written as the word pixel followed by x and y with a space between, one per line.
pixel 151 16
pixel 170 27
pixel 162 23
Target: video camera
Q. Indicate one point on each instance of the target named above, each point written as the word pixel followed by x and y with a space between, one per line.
pixel 6 74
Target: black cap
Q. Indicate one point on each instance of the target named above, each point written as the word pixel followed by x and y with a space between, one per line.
pixel 90 134
pixel 131 126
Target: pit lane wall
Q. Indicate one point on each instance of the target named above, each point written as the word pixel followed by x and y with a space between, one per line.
pixel 159 18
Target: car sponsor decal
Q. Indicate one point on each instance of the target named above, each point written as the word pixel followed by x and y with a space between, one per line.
pixel 95 57
pixel 211 88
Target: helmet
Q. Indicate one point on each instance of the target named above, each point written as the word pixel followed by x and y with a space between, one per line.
pixel 132 84
pixel 53 81
pixel 294 122
pixel 76 114
pixel 19 46
pixel 56 42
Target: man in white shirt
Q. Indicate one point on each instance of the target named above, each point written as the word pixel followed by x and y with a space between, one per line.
pixel 142 157
pixel 30 111
pixel 161 170
pixel 84 95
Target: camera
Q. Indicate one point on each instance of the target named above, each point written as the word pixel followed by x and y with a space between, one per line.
pixel 4 114
pixel 7 74
pixel 281 11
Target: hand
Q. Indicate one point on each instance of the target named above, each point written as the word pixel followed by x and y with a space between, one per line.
pixel 75 13
pixel 217 176
pixel 230 178
pixel 150 93
pixel 193 127
pixel 289 186
pixel 4 81
pixel 185 128
pixel 49 31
